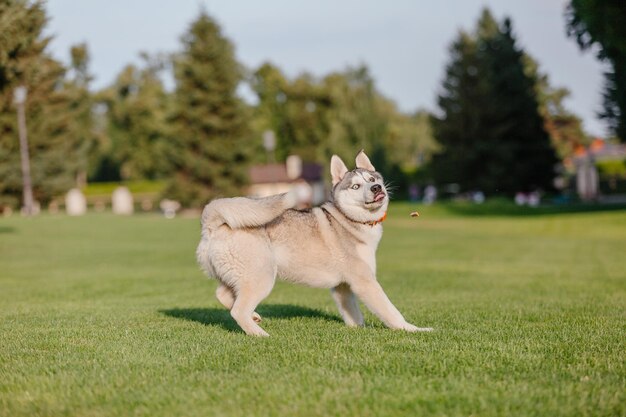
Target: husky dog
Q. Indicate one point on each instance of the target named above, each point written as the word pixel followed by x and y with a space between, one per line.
pixel 248 242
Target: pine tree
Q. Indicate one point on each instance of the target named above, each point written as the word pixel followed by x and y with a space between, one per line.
pixel 55 158
pixel 211 138
pixel 459 131
pixel 520 153
pixel 492 131
pixel 20 26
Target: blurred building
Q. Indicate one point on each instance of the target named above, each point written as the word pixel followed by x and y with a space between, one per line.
pixel 586 161
pixel 602 150
pixel 305 177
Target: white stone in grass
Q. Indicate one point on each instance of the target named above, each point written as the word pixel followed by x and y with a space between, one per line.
pixel 122 201
pixel 169 208
pixel 75 202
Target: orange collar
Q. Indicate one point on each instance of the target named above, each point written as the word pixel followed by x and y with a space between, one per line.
pixel 375 222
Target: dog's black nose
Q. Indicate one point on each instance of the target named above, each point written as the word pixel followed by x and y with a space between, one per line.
pixel 376 188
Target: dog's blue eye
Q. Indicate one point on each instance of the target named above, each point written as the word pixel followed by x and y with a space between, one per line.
pixel 355 187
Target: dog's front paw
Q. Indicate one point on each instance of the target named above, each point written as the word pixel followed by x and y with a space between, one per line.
pixel 411 328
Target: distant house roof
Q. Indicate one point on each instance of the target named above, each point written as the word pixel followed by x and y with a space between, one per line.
pixel 263 174
pixel 601 150
pixel 273 173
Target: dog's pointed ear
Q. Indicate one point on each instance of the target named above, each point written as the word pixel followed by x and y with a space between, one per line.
pixel 337 169
pixel 362 161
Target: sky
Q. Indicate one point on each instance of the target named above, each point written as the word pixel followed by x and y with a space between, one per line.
pixel 403 42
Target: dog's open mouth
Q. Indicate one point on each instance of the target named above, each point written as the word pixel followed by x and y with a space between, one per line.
pixel 377 198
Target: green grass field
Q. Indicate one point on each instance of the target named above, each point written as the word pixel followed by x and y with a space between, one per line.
pixel 106 316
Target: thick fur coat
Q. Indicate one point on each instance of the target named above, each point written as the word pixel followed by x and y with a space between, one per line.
pixel 247 243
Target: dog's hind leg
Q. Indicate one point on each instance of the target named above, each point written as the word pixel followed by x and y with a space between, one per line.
pixel 243 262
pixel 347 305
pixel 226 296
pixel 249 295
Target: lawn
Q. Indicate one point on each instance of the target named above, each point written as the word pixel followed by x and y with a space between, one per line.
pixel 105 316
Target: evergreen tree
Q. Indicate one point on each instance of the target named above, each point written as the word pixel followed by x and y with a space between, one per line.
pixel 491 130
pixel 603 23
pixel 520 147
pixel 211 139
pixel 55 157
pixel 459 130
pixel 21 45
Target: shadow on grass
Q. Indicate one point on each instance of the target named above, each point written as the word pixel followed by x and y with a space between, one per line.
pixel 508 209
pixel 221 316
pixel 7 229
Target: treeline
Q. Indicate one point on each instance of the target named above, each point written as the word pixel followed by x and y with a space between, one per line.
pixel 601 25
pixel 500 126
pixel 59 107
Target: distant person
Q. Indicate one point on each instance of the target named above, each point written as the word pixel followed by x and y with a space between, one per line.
pixel 414 193
pixel 521 199
pixel 478 197
pixel 430 194
pixel 534 199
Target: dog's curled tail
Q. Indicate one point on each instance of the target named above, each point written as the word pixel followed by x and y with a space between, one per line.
pixel 241 212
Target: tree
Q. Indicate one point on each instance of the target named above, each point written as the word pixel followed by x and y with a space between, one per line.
pixel 20 26
pixel 491 130
pixel 410 141
pixel 564 127
pixel 55 156
pixel 359 117
pixel 81 137
pixel 295 110
pixel 269 84
pixel 337 114
pixel 459 129
pixel 210 141
pixel 603 23
pixel 136 117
